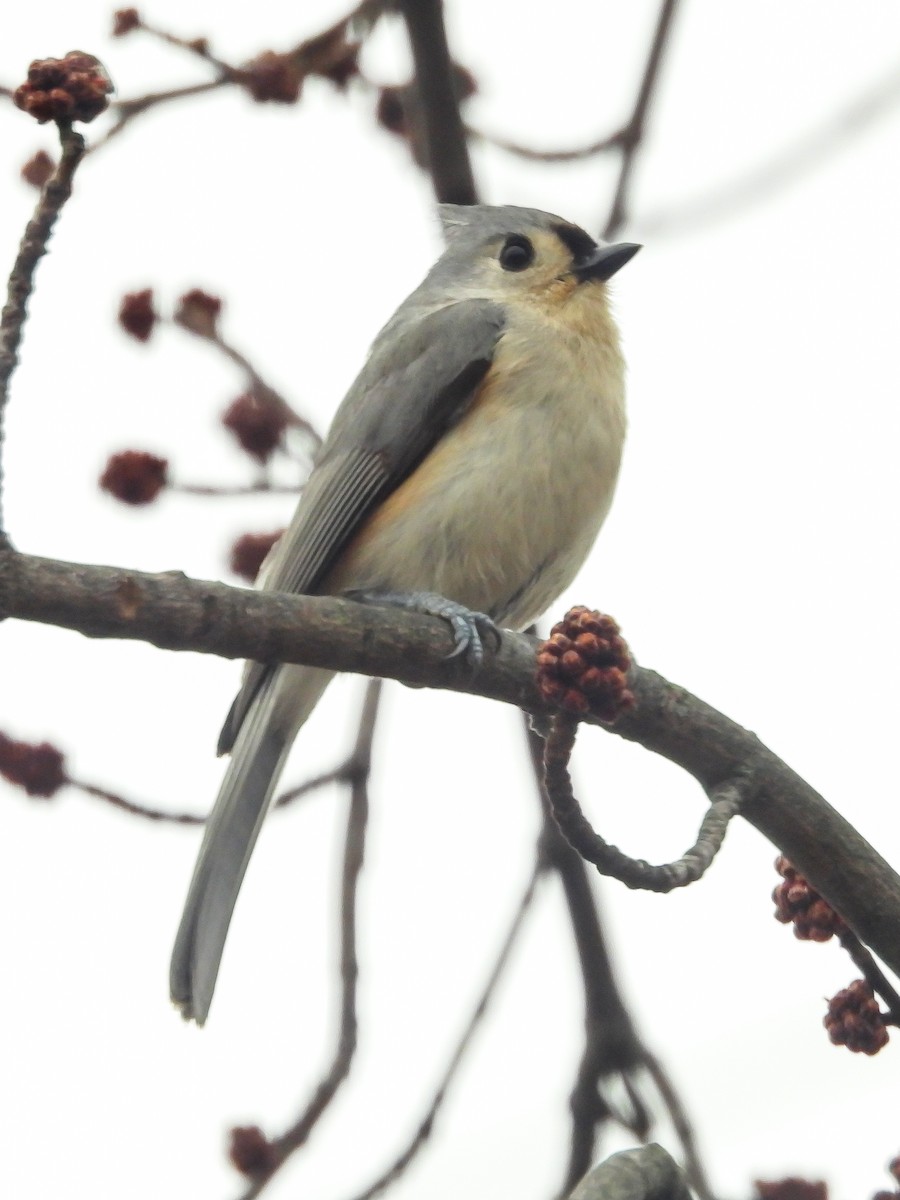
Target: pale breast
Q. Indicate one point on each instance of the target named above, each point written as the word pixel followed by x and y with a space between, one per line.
pixel 502 513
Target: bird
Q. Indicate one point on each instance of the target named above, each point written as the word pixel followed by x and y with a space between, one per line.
pixel 466 474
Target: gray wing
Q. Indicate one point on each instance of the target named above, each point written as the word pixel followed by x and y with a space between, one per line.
pixel 418 381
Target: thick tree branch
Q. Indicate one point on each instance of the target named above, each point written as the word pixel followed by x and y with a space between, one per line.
pixel 444 133
pixel 177 613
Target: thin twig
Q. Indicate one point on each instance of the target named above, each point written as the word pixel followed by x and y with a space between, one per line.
pixel 262 488
pixel 874 976
pixel 363 16
pixel 127 110
pixel 341 774
pixel 611 1043
pixel 445 137
pixel 684 1130
pixel 281 1148
pixel 632 134
pixel 609 142
pixel 426 1126
pixel 197 47
pixel 137 810
pixel 33 246
pixel 263 390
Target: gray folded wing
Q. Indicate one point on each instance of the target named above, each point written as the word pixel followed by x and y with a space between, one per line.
pixel 420 378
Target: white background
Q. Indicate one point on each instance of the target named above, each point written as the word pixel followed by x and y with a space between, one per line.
pixel 750 557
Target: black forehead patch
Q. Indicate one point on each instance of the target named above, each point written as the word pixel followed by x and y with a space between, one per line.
pixel 581 244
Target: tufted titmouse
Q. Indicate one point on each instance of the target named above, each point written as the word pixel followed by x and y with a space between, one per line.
pixel 467 473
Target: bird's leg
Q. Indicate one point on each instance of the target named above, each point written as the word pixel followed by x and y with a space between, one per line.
pixel 470 629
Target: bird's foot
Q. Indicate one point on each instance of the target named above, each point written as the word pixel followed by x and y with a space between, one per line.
pixel 470 629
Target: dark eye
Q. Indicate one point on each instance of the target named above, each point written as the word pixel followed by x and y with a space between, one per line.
pixel 517 253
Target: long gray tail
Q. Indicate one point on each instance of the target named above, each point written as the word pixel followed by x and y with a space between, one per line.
pixel 259 753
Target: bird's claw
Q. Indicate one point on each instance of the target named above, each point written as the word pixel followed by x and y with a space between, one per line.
pixel 470 629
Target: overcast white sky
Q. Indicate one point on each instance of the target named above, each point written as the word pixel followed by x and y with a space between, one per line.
pixel 750 557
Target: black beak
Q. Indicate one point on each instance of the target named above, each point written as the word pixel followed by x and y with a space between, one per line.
pixel 603 262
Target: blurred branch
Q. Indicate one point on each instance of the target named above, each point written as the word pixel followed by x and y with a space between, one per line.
pixel 872 973
pixel 198 314
pixel 631 136
pixel 127 110
pixel 299 61
pixel 795 160
pixel 445 136
pixel 40 770
pixel 684 1130
pixel 628 139
pixel 262 487
pixel 146 811
pixel 612 1046
pixel 610 141
pixel 177 613
pixel 425 1127
pixel 21 280
pixel 281 1148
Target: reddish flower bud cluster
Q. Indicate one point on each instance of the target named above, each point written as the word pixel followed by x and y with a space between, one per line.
pixel 791 1188
pixel 272 77
pixel 854 1019
pixel 38 769
pixel 257 422
pixel 894 1168
pixel 125 20
pixel 198 312
pixel 396 104
pixel 38 169
pixel 74 88
pixel 278 78
pixel 331 56
pixel 583 666
pixel 398 110
pixel 137 315
pixel 135 477
pixel 390 111
pixel 250 1151
pixel 796 903
pixel 249 551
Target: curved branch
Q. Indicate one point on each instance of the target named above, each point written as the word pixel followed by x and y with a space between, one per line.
pixel 177 613
pixel 725 802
